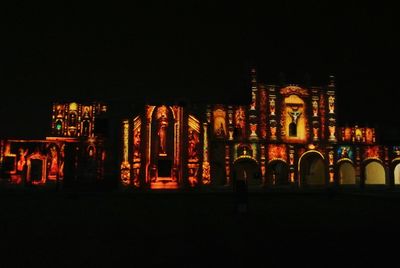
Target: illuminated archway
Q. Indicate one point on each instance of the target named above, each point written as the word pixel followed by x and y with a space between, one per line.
pixel 278 172
pixel 247 169
pixel 346 173
pixel 374 173
pixel 397 174
pixel 312 168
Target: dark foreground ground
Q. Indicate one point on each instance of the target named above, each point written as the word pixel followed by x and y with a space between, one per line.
pixel 47 229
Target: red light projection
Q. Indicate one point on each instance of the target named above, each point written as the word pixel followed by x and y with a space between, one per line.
pixel 347 134
pixel 263 113
pixel 372 152
pixel 369 135
pixel 193 149
pixel 294 90
pixel 36 173
pixel 53 162
pixel 240 122
pixel 322 114
pixel 34 161
pixel 277 152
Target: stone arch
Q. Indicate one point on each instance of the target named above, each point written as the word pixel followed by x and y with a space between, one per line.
pixel 346 173
pixel 278 172
pixel 396 173
pixel 312 169
pixel 374 173
pixel 247 169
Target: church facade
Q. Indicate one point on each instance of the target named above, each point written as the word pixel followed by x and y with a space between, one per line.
pixel 287 136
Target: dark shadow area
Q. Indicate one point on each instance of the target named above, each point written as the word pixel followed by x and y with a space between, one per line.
pixel 196 230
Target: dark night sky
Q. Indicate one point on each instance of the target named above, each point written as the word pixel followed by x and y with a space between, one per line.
pixel 199 51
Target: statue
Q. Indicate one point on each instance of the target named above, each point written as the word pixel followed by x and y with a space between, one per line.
pixel 315 108
pixel 331 101
pixel 59 111
pixel 136 144
pixel 253 101
pixel 22 159
pixel 220 130
pixel 272 106
pixel 315 133
pixel 295 116
pixel 72 119
pixel 62 156
pixel 162 119
pixel 240 121
pixel 193 141
pixel 53 162
pixel 86 113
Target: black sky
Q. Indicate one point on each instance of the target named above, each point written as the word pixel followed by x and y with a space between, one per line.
pixel 200 51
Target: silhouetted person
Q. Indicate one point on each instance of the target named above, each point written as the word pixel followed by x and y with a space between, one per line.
pixel 240 192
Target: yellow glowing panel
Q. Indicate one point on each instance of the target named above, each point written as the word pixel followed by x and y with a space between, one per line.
pixel 358 134
pixel 194 123
pixel 219 123
pixel 73 106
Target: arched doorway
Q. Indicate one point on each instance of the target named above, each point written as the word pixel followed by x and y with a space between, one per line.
pixel 397 174
pixel 247 169
pixel 312 169
pixel 374 173
pixel 277 173
pixel 346 173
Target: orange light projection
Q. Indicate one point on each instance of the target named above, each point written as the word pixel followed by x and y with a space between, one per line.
pixel 372 152
pixel 369 135
pixel 125 166
pixel 194 150
pixel 277 152
pixel 240 122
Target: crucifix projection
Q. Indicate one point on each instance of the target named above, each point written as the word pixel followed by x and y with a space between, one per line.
pixel 294 114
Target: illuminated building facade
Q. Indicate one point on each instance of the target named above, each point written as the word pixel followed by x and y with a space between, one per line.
pixel 74 153
pixel 287 136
